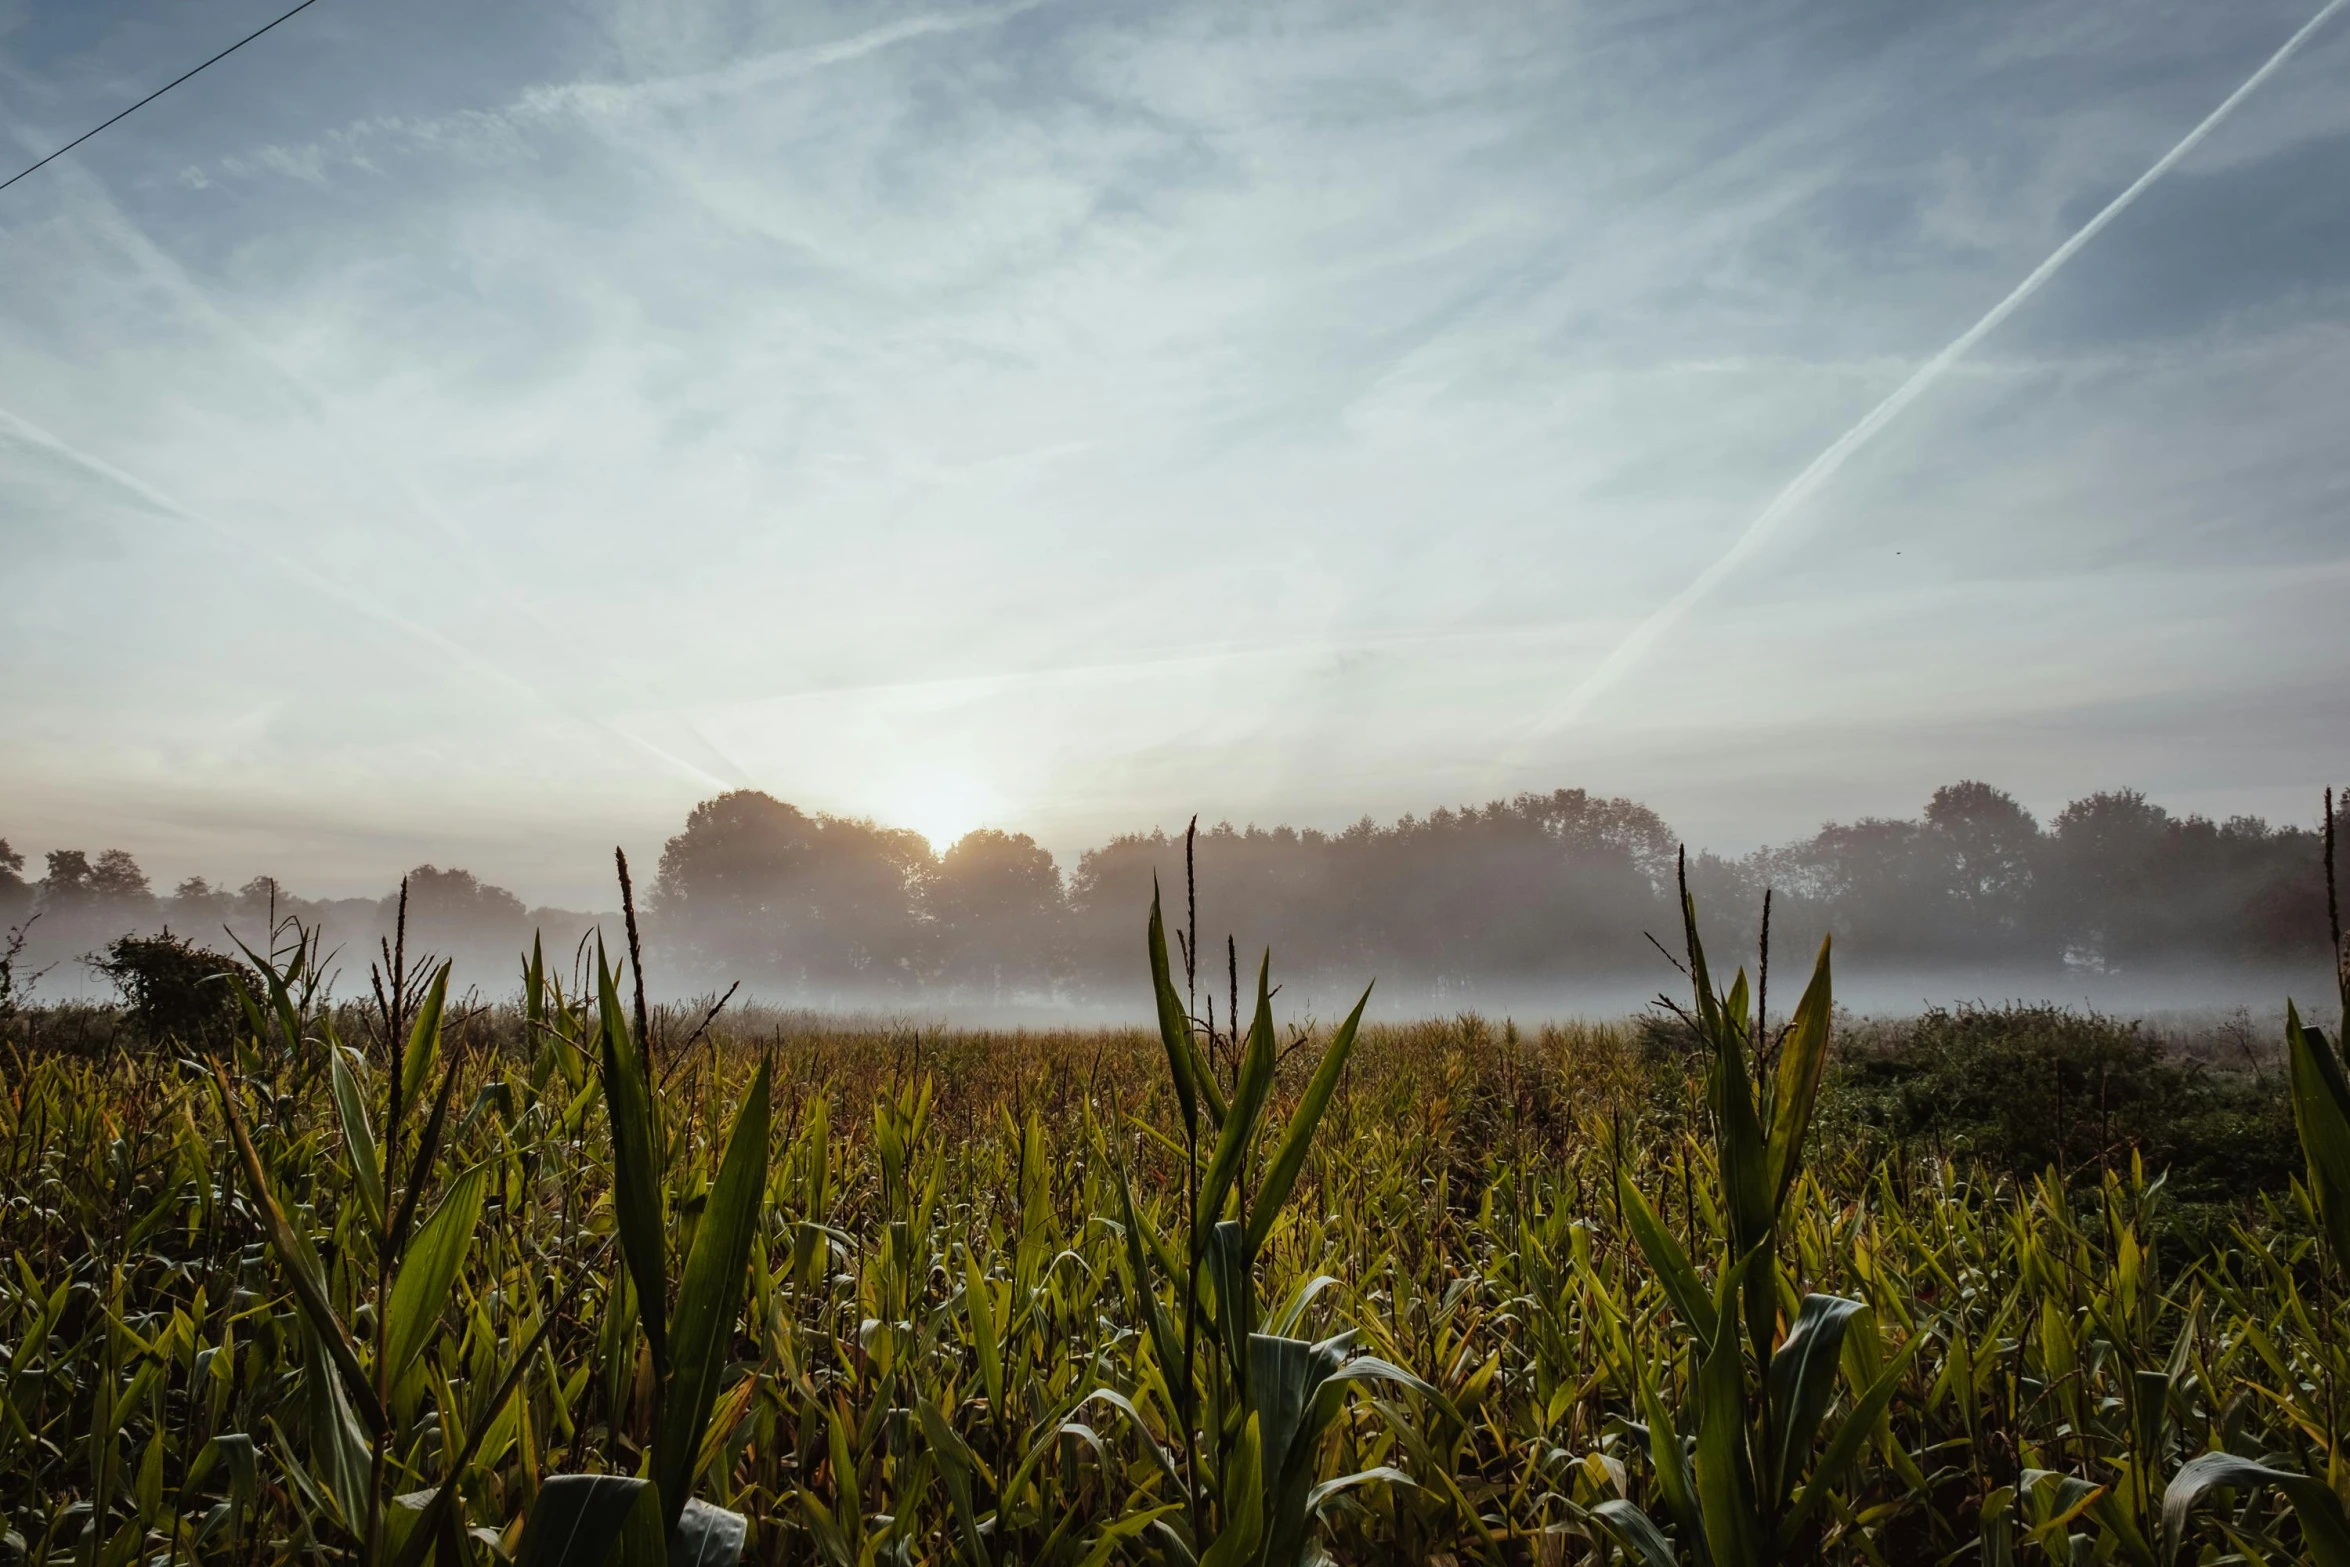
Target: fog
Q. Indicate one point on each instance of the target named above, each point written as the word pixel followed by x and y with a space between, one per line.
pixel 1539 907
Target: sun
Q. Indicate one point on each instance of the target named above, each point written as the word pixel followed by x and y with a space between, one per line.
pixel 941 805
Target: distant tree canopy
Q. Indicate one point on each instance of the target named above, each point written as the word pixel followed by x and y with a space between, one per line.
pixel 1557 886
pixel 452 911
pixel 16 896
pixel 759 889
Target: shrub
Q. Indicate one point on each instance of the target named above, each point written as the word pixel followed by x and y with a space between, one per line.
pixel 177 992
pixel 2024 1088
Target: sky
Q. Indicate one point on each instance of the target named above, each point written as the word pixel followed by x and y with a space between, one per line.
pixel 476 432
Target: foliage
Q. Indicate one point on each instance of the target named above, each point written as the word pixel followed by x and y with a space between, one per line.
pixel 410 1281
pixel 2023 1088
pixel 178 993
pixel 1541 889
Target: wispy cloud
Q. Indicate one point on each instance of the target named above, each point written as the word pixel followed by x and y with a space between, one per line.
pixel 1626 655
pixel 1271 412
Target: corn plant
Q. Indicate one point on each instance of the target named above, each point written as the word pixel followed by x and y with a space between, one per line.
pixel 2321 1115
pixel 1745 1488
pixel 369 1319
pixel 687 1336
pixel 1251 1402
pixel 521 1282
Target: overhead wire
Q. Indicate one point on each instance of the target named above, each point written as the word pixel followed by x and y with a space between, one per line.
pixel 157 93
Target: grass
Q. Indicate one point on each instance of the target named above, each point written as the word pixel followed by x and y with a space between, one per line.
pixel 569 1279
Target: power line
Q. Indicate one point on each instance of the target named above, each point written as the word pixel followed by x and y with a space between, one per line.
pixel 157 93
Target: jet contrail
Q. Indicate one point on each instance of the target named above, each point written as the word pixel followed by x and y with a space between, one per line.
pixel 34 435
pixel 1666 616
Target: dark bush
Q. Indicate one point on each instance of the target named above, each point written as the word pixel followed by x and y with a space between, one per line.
pixel 2025 1088
pixel 176 991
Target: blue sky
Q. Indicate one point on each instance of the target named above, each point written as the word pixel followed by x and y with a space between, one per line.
pixel 475 432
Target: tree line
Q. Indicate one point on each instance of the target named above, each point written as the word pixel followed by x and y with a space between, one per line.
pixel 1540 888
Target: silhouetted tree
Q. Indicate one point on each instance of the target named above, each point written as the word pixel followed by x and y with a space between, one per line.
pixel 85 902
pixel 755 888
pixel 16 894
pixel 198 905
pixel 1993 850
pixel 1540 888
pixel 1535 887
pixel 457 915
pixel 999 921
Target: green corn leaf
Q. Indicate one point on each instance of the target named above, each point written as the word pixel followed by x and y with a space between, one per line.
pixel 1244 1503
pixel 1285 1377
pixel 301 1267
pixel 1803 1057
pixel 1738 1134
pixel 710 1297
pixel 848 1487
pixel 1725 1477
pixel 954 1468
pixel 428 1147
pixel 428 1526
pixel 1382 1474
pixel 1745 1173
pixel 1634 1532
pixel 1174 1022
pixel 1844 1449
pixel 1290 1158
pixel 637 1188
pixel 1802 1383
pixel 534 994
pixel 589 1520
pixel 1113 1399
pixel 979 1312
pixel 358 1136
pixel 1164 1342
pixel 338 1444
pixel 2149 1411
pixel 1307 1391
pixel 1997 1531
pixel 429 1271
pixel 424 1038
pixel 1229 1292
pixel 1124 1528
pixel 1668 1456
pixel 2321 1112
pixel 1666 1259
pixel 1248 1105
pixel 2325 1532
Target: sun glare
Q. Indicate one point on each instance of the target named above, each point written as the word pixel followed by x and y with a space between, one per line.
pixel 941 806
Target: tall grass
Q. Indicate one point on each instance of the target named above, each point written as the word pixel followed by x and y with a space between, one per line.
pixel 558 1281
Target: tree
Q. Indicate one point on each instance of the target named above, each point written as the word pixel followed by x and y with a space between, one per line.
pixel 758 888
pixel 68 880
pixel 84 901
pixel 196 901
pixel 999 918
pixel 455 913
pixel 1993 853
pixel 116 877
pixel 16 894
pixel 2108 858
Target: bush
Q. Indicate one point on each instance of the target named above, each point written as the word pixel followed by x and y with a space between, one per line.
pixel 177 992
pixel 2024 1088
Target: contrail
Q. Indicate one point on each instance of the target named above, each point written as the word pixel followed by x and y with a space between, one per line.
pixel 34 435
pixel 1666 616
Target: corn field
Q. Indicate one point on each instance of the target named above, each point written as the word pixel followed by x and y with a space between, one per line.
pixel 568 1282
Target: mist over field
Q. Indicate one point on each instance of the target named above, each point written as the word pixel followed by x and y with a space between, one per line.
pixel 1540 907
